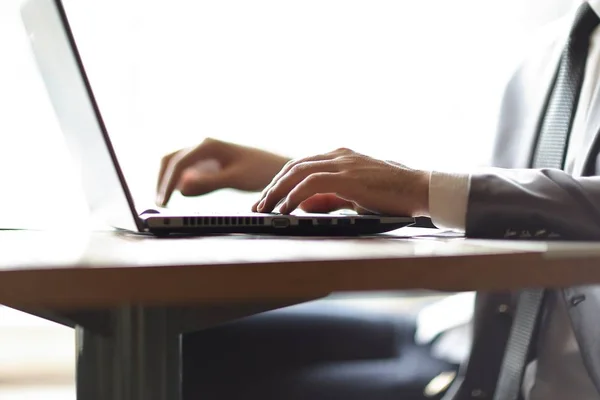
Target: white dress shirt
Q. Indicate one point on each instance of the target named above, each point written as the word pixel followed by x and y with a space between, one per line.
pixel 558 373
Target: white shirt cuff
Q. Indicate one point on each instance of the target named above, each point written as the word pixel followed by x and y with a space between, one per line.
pixel 448 198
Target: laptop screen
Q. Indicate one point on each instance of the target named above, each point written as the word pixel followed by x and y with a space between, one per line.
pixel 71 95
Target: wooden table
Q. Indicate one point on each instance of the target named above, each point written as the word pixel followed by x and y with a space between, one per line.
pixel 131 297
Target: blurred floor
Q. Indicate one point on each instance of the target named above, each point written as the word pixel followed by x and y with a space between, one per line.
pixel 35 392
pixel 36 358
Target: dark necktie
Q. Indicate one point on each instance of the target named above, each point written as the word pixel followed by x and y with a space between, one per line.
pixel 550 152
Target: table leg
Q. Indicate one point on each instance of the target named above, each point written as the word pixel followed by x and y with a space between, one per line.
pixel 140 359
pixel 134 352
pixel 94 365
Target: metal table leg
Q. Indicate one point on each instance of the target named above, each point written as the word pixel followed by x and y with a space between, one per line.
pixel 140 359
pixel 134 352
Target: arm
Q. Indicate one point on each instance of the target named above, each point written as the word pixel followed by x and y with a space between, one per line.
pixel 521 203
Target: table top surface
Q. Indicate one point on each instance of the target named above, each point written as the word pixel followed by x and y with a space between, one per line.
pixel 72 270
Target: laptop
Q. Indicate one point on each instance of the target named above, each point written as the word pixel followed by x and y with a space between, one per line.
pixel 104 184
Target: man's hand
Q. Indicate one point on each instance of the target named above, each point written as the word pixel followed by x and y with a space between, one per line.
pixel 214 165
pixel 346 179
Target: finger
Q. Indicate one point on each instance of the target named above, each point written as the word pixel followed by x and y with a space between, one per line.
pixel 286 168
pixel 324 203
pixel 175 167
pixel 323 182
pixel 294 176
pixel 291 164
pixel 179 162
pixel 164 162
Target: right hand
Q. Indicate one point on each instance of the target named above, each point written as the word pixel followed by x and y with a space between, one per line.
pixel 213 165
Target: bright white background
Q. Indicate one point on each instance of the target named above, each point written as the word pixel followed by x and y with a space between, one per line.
pixel 414 81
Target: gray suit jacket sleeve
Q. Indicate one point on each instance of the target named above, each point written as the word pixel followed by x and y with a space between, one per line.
pixel 523 203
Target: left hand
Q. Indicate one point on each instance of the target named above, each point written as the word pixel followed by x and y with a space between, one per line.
pixel 346 179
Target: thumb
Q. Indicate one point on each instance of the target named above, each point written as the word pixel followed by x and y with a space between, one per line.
pixel 325 202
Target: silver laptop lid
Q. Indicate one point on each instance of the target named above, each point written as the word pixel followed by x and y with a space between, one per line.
pixel 71 95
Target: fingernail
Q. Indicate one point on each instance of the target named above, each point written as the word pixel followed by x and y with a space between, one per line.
pixel 283 208
pixel 261 205
pixel 159 199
